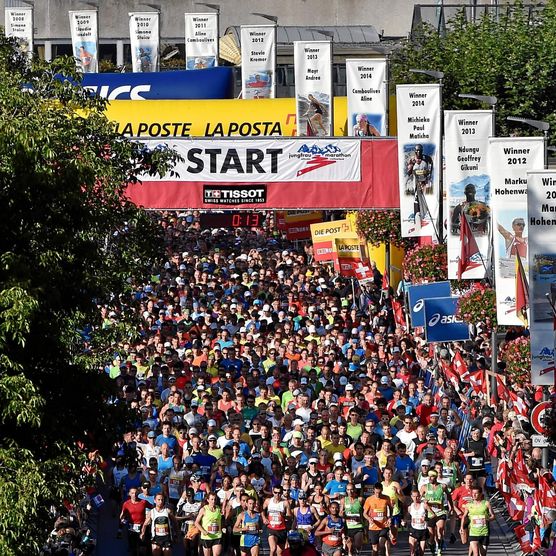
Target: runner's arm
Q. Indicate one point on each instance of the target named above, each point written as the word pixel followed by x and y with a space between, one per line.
pixel 198 521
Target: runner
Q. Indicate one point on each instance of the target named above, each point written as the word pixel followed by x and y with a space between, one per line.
pixel 161 520
pixel 209 522
pixel 187 510
pixel 305 517
pixel 352 511
pixel 332 531
pixel 460 498
pixel 480 515
pixel 275 512
pixel 249 524
pixel 393 490
pixel 377 511
pixel 418 533
pixel 435 495
pixel 133 514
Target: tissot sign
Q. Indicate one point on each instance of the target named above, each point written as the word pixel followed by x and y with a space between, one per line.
pixel 274 173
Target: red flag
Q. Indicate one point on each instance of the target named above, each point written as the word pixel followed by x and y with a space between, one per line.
pixel 449 372
pixel 545 496
pixel 518 405
pixel 363 272
pixel 468 247
pixel 477 381
pixel 385 280
pixel 399 316
pixel 521 291
pixel 460 367
pixel 502 389
pixel 520 471
pixel 523 538
pixel 503 476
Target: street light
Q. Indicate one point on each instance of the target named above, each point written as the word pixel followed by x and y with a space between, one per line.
pixel 272 18
pixel 215 7
pixel 438 75
pixel 536 124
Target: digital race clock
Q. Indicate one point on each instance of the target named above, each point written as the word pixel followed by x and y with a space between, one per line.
pixel 231 219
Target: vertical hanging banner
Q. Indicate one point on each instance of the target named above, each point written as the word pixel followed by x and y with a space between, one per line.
pixel 367 95
pixel 144 35
pixel 313 87
pixel 466 134
pixel 18 24
pixel 541 219
pixel 258 61
pixel 84 39
pixel 508 160
pixel 201 41
pixel 418 111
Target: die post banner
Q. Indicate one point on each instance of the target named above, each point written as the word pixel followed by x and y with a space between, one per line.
pixel 258 61
pixel 367 94
pixel 508 160
pixel 349 255
pixel 84 39
pixel 18 24
pixel 201 40
pixel 313 87
pixel 144 35
pixel 418 111
pixel 541 220
pixel 323 235
pixel 466 134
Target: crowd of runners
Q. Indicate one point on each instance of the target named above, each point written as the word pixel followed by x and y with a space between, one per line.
pixel 278 405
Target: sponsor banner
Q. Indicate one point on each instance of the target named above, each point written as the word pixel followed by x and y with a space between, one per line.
pixel 323 236
pixel 215 83
pixel 441 322
pixel 268 160
pixel 418 157
pixel 313 87
pixel 417 296
pixel 144 35
pixel 84 39
pixel 316 181
pixel 367 94
pixel 258 61
pixel 298 226
pixel 348 251
pixel 222 118
pixel 18 24
pixel 468 186
pixel 509 159
pixel 201 41
pixel 281 219
pixel 541 221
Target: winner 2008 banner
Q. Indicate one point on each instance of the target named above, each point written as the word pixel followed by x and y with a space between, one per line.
pixel 509 160
pixel 418 158
pixel 18 23
pixel 468 186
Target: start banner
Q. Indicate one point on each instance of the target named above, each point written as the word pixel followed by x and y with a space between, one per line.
pixel 541 218
pixel 217 118
pixel 509 160
pixel 274 173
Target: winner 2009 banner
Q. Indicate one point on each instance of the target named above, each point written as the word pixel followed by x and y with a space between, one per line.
pixel 84 39
pixel 418 158
pixel 468 186
pixel 509 160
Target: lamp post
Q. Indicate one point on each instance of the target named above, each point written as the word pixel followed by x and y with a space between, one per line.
pixel 215 7
pixel 439 76
pixel 536 124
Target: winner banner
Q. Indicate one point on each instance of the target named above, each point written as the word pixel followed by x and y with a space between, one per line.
pixel 466 134
pixel 541 219
pixel 84 39
pixel 509 159
pixel 258 61
pixel 418 158
pixel 144 34
pixel 201 41
pixel 18 24
pixel 313 88
pixel 367 95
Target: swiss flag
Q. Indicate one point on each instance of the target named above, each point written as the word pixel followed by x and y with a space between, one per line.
pixel 468 247
pixel 502 389
pixel 449 372
pixel 520 470
pixel 362 271
pixel 523 538
pixel 385 280
pixel 460 367
pixel 477 381
pixel 519 406
pixel 399 316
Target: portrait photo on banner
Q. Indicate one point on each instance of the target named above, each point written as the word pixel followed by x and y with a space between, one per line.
pixel 470 197
pixel 511 239
pixel 314 114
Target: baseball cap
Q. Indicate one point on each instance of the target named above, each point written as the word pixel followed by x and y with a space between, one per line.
pixel 384 380
pixel 337 456
pixel 432 473
pixel 297 434
pixel 211 423
pixel 425 462
pixel 303 380
pixel 212 437
pixel 338 464
pixel 313 460
pixel 349 386
pixel 193 430
pixel 151 434
pixel 298 422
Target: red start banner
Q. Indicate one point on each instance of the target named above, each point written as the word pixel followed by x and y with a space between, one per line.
pixel 275 173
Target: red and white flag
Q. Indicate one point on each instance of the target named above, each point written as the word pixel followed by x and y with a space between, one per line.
pixel 385 280
pixel 523 538
pixel 399 316
pixel 363 272
pixel 477 381
pixel 460 367
pixel 469 248
pixel 521 291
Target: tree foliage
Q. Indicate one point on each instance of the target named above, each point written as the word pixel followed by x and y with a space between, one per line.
pixel 70 242
pixel 509 53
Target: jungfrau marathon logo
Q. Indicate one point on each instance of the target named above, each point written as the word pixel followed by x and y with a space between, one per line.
pixel 437 318
pixel 546 355
pixel 317 157
pixel 509 303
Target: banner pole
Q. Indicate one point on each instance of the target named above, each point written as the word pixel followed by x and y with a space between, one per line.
pixel 440 231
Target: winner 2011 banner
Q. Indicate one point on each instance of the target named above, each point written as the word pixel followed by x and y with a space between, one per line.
pixel 419 158
pixel 201 40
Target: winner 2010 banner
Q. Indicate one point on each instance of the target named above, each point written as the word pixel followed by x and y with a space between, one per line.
pixel 419 158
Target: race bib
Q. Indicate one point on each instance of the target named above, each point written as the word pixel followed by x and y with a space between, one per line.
pixel 136 527
pixel 333 538
pixel 379 514
pixel 213 527
pixel 418 522
pixel 275 519
pixel 478 521
pixel 476 462
pixel 352 521
pixel 251 526
pixel 161 530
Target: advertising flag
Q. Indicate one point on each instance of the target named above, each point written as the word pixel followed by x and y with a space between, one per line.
pixel 313 87
pixel 258 61
pixel 509 159
pixel 441 321
pixel 419 158
pixel 84 39
pixel 418 294
pixel 298 226
pixel 18 24
pixel 201 41
pixel 323 235
pixel 349 255
pixel 367 94
pixel 468 188
pixel 541 220
pixel 144 35
pixel 521 291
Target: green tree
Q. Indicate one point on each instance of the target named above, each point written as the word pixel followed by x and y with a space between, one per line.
pixel 70 243
pixel 509 53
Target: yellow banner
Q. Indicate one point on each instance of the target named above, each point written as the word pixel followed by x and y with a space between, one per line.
pixel 327 231
pixel 212 118
pixel 303 216
pixel 348 248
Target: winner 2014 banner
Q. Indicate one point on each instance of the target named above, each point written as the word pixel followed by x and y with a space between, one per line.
pixel 418 158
